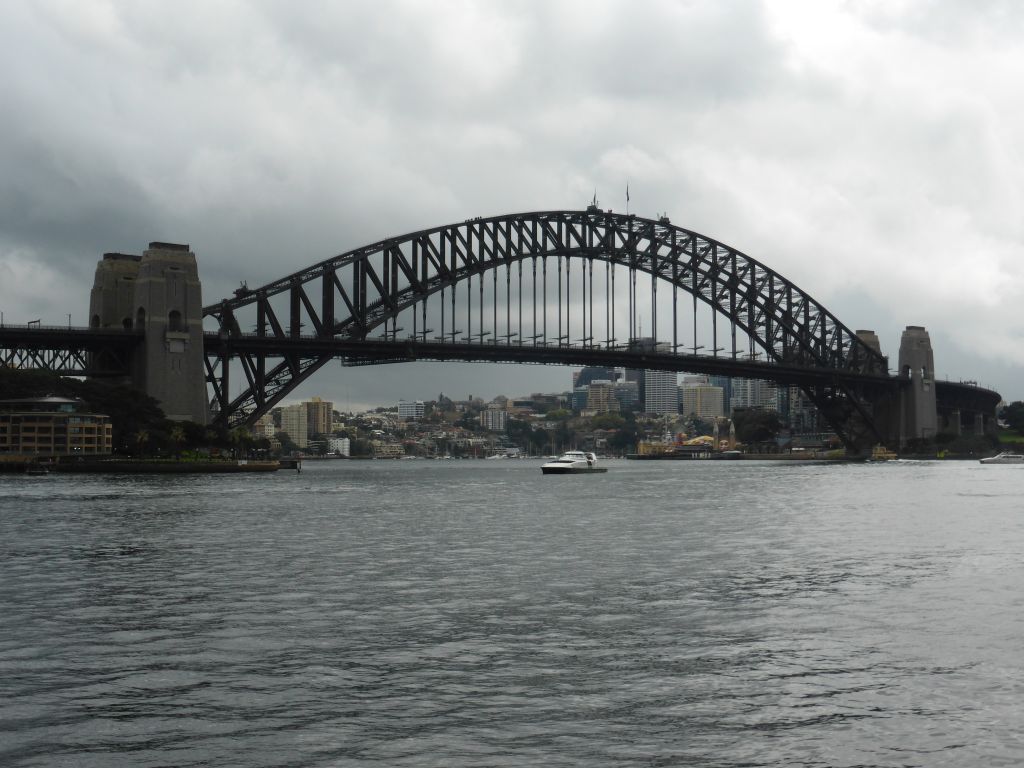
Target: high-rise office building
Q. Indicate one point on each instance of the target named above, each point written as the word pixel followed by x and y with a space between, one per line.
pixel 628 395
pixel 701 399
pixel 578 399
pixel 725 382
pixel 586 376
pixel 801 413
pixel 661 392
pixel 657 390
pixel 754 393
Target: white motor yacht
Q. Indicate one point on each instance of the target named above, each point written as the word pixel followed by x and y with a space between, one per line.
pixel 572 463
pixel 1004 458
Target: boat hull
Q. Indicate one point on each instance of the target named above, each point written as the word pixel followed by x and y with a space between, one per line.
pixel 572 470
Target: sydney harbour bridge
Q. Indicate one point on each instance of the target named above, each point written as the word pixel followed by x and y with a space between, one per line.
pixel 587 287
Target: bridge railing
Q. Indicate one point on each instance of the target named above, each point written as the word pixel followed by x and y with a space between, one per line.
pixel 65 328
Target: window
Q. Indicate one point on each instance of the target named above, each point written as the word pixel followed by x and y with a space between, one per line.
pixel 174 323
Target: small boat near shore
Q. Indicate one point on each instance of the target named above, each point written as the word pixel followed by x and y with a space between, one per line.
pixel 572 463
pixel 1004 458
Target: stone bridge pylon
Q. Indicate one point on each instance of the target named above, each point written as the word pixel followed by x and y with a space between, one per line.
pixel 159 296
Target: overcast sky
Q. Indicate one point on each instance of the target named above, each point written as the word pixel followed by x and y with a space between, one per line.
pixel 867 150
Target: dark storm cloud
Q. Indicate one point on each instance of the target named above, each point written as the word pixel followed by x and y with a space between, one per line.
pixel 856 147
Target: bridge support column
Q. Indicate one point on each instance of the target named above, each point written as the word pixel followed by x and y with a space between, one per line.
pixel 160 295
pixel 919 410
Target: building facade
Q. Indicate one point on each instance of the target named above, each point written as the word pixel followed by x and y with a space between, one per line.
pixel 754 393
pixel 702 400
pixel 661 392
pixel 410 410
pixel 319 417
pixel 341 446
pixel 601 397
pixel 295 424
pixel 264 427
pixel 627 393
pixel 494 420
pixel 52 426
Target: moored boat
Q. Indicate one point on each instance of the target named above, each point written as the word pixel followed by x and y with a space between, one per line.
pixel 881 453
pixel 572 463
pixel 1004 458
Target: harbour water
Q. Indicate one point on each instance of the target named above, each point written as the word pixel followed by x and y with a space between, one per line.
pixel 460 613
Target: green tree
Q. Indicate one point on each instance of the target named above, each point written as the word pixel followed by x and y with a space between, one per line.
pixel 607 421
pixel 141 438
pixel 287 444
pixel 1013 415
pixel 624 440
pixel 177 435
pixel 360 447
pixel 755 425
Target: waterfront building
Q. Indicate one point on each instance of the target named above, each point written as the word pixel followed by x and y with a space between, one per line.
pixel 410 410
pixel 387 450
pixel 52 426
pixel 339 445
pixel 295 424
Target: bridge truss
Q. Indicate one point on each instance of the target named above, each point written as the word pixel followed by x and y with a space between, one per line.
pixel 68 351
pixel 555 286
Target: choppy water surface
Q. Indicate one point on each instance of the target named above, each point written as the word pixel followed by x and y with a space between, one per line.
pixel 479 614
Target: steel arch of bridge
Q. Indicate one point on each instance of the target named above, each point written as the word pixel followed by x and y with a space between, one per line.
pixel 348 299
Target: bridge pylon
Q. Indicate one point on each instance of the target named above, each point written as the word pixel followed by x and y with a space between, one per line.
pixel 159 295
pixel 919 407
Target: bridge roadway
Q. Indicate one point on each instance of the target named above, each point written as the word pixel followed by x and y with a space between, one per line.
pixel 79 351
pixel 377 351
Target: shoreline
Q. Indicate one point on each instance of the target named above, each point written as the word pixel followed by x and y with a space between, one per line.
pixel 138 466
